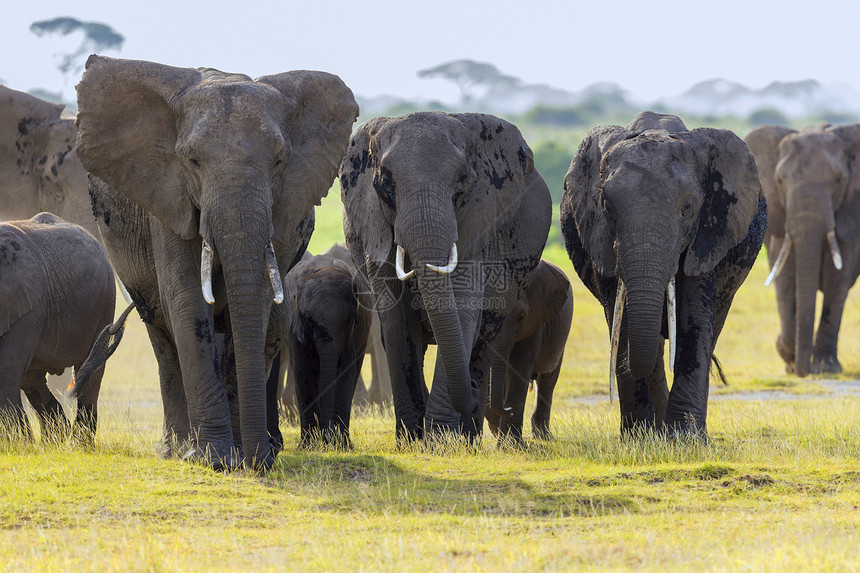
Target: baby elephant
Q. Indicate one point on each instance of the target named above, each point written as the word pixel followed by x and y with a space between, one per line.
pixel 56 295
pixel 329 319
pixel 530 347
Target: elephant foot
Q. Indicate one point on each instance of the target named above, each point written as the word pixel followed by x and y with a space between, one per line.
pixel 786 352
pixel 825 364
pixel 218 461
pixel 510 437
pixel 688 428
pixel 541 431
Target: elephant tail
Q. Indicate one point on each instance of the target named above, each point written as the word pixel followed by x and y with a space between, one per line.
pixel 719 367
pixel 103 348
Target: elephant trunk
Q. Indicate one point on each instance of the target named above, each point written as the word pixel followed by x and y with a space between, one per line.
pixel 646 293
pixel 807 271
pixel 499 372
pixel 249 297
pixel 328 355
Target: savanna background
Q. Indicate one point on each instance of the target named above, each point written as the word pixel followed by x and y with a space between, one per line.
pixel 777 486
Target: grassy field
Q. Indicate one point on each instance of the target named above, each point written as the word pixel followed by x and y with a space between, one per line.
pixel 777 487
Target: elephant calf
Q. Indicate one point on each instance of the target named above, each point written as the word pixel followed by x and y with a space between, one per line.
pixel 329 319
pixel 530 347
pixel 56 295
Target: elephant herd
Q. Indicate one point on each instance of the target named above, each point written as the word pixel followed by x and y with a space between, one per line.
pixel 201 187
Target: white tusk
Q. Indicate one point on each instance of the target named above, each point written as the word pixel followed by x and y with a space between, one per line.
pixel 274 274
pixel 398 264
pixel 834 250
pixel 206 272
pixel 780 260
pixel 673 321
pixel 616 334
pixel 452 262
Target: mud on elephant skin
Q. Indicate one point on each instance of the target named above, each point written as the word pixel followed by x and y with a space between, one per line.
pixel 57 292
pixel 329 312
pixel 39 162
pixel 663 228
pixel 203 184
pixel 811 180
pixel 446 216
pixel 530 347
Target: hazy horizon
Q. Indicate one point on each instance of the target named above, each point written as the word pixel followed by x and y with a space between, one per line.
pixel 378 47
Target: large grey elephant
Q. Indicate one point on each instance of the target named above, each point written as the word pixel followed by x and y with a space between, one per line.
pixel 532 341
pixel 811 180
pixel 203 184
pixel 447 217
pixel 56 295
pixel 329 313
pixel 39 163
pixel 663 227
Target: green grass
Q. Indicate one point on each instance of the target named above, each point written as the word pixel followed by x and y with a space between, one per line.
pixel 777 487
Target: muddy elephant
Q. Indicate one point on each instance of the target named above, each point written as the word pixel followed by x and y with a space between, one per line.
pixel 811 180
pixel 39 162
pixel 57 293
pixel 203 184
pixel 531 347
pixel 663 227
pixel 446 216
pixel 329 315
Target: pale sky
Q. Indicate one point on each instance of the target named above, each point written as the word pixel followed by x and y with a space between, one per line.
pixel 653 49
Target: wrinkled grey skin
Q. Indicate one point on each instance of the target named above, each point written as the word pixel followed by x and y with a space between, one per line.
pixel 426 181
pixel 329 313
pixel 180 156
pixel 57 293
pixel 530 347
pixel 811 180
pixel 378 393
pixel 643 206
pixel 39 163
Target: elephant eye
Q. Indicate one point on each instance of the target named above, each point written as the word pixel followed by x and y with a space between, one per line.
pixel 687 210
pixel 193 159
pixel 464 174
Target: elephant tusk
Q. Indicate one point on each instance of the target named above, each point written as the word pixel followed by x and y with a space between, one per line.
pixel 206 272
pixel 834 250
pixel 616 334
pixel 452 262
pixel 274 274
pixel 398 264
pixel 780 260
pixel 672 309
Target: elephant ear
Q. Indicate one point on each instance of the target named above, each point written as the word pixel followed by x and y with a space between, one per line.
pixel 731 193
pixel 127 125
pixel 24 128
pixel 764 144
pixel 582 192
pixel 364 223
pixel 505 169
pixel 22 276
pixel 548 290
pixel 321 111
pixel 848 213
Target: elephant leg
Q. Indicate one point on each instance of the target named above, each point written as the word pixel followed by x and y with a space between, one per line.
pixel 687 409
pixel 177 264
pixel 786 302
pixel 835 285
pixel 545 383
pixel 87 412
pixel 638 411
pixel 177 428
pixel 52 419
pixel 521 364
pixel 231 384
pixel 276 439
pixel 305 370
pixel 404 350
pixel 289 405
pixel 348 381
